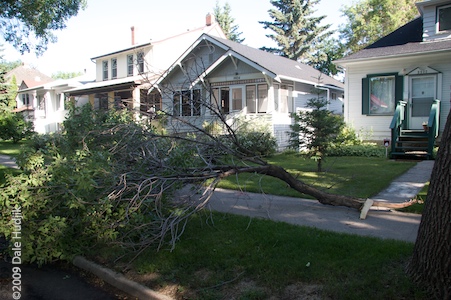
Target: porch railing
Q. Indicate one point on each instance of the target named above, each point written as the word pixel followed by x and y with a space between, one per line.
pixel 433 125
pixel 397 123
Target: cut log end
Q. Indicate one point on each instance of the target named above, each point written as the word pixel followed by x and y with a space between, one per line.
pixel 394 205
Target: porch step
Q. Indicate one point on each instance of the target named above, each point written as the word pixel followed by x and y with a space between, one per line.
pixel 412 144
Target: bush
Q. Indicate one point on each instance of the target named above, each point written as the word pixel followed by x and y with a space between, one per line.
pixel 14 127
pixel 366 150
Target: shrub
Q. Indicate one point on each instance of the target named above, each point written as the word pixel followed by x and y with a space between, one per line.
pixel 14 127
pixel 366 150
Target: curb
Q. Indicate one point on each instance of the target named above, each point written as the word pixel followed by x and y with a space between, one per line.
pixel 118 280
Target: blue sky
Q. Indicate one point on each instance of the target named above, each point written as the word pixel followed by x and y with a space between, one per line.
pixel 104 26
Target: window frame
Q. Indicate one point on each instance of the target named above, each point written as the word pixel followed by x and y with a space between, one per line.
pixel 104 69
pixel 439 8
pixel 140 62
pixel 187 103
pixel 366 89
pixel 113 68
pixel 130 65
pixel 26 99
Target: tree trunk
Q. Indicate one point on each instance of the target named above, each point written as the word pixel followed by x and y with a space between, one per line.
pixel 298 185
pixel 431 261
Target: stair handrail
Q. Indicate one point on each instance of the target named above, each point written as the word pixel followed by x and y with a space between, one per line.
pixel 397 123
pixel 433 125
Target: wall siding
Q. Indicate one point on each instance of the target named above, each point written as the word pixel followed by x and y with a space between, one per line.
pixel 377 127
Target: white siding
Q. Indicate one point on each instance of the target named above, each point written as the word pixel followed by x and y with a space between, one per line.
pixel 430 24
pixel 377 127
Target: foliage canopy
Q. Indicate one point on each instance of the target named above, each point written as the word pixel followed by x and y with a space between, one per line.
pixel 29 24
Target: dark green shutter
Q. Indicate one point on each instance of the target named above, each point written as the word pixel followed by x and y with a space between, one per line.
pixel 365 96
pixel 399 88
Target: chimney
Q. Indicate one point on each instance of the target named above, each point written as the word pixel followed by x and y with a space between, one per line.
pixel 133 34
pixel 210 19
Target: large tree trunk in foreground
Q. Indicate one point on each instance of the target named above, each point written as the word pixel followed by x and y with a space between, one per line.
pixel 431 261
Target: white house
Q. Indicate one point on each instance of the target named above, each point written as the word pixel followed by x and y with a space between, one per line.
pixel 123 77
pixel 403 81
pixel 44 104
pixel 237 80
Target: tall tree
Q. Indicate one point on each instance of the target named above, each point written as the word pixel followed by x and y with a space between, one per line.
pixel 431 261
pixel 66 75
pixel 296 31
pixel 329 50
pixel 369 20
pixel 226 21
pixel 29 24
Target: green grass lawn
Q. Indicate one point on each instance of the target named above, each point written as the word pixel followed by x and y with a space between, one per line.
pixel 10 149
pixel 354 176
pixel 223 256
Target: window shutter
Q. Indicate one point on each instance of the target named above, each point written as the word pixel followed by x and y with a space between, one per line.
pixel 399 88
pixel 365 96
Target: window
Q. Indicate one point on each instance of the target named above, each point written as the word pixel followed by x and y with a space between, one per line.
pixel 257 102
pixel 262 98
pixel 130 65
pixel 220 99
pixel 113 68
pixel 380 94
pixel 150 103
pixel 286 99
pixel 187 103
pixel 251 102
pixel 41 102
pixel 26 99
pixel 140 62
pixel 444 18
pixel 105 69
pixel 237 99
pixel 58 102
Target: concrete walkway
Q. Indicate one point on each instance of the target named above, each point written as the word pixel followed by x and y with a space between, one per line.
pixel 379 223
pixel 7 161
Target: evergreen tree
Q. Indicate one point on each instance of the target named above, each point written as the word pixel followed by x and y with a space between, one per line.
pixel 315 128
pixel 296 31
pixel 4 90
pixel 225 20
pixel 13 126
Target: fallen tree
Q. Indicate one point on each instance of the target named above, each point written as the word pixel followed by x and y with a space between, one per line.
pixel 110 180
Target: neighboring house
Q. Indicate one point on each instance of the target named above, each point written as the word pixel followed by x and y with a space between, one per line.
pixel 27 76
pixel 44 104
pixel 124 77
pixel 242 81
pixel 403 81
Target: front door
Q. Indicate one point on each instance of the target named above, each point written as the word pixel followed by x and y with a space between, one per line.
pixel 422 94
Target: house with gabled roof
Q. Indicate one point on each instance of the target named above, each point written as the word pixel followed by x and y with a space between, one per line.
pixel 123 77
pixel 239 81
pixel 398 89
pixel 45 104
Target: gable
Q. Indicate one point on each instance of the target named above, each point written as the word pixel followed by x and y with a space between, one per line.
pixel 234 69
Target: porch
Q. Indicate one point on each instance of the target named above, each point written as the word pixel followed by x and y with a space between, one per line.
pixel 414 143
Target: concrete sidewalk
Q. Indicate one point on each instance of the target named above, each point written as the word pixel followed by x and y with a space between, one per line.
pixel 379 223
pixel 8 162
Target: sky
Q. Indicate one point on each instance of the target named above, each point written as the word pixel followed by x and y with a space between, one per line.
pixel 104 27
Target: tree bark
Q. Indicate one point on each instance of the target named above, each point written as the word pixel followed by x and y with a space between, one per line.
pixel 301 187
pixel 430 265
